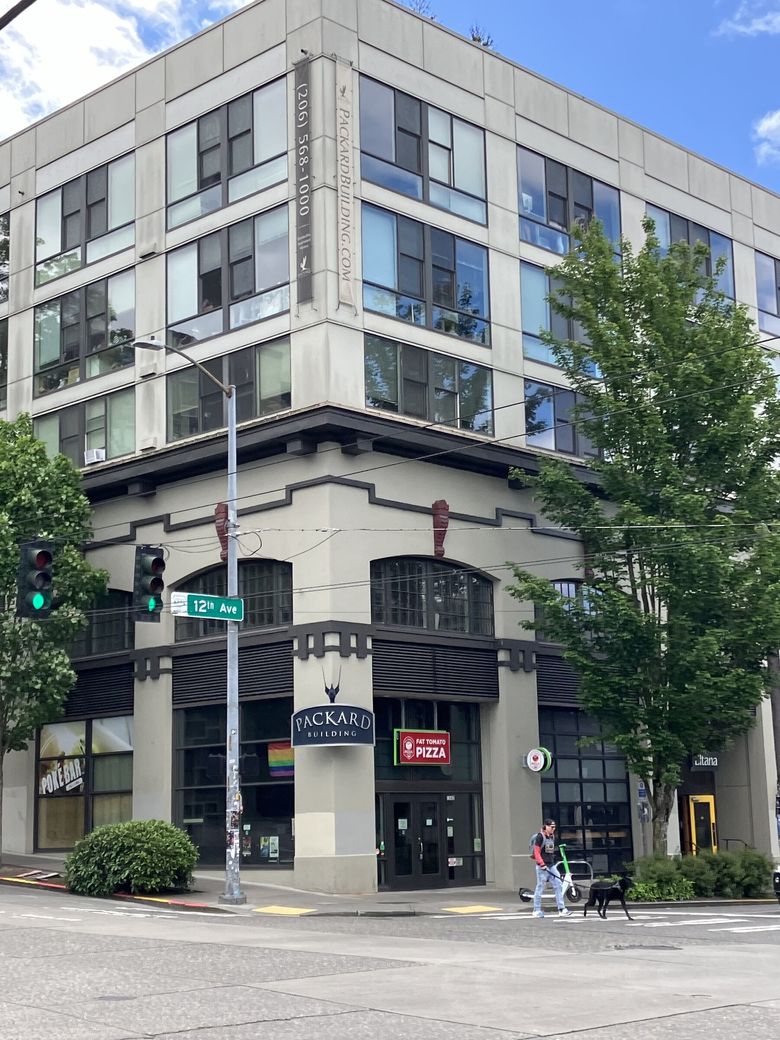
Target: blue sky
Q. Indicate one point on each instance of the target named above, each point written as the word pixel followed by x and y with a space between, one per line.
pixel 705 73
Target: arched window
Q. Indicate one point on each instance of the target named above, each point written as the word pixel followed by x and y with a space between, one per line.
pixel 425 593
pixel 264 585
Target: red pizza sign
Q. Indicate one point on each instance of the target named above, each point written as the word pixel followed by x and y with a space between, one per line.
pixel 422 747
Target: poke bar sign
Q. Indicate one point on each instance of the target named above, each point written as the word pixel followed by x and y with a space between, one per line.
pixel 422 747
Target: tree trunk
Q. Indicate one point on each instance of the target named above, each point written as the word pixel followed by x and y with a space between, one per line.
pixel 662 800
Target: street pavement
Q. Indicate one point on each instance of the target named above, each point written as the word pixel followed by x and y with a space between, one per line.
pixel 83 969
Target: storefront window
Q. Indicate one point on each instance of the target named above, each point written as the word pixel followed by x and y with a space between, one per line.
pixel 267 770
pixel 586 790
pixel 84 778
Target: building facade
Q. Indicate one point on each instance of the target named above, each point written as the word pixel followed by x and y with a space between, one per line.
pixel 344 210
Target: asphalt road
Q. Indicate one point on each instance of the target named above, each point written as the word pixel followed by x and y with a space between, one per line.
pixel 77 969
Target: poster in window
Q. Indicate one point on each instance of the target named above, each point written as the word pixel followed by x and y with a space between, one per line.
pixel 61 776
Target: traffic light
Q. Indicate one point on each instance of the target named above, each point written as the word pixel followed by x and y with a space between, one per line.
pixel 148 583
pixel 34 592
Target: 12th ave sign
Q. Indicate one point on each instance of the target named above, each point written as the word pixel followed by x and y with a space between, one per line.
pixel 215 608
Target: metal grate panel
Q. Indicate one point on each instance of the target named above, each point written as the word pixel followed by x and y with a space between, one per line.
pixel 556 682
pixel 263 669
pixel 451 671
pixel 101 691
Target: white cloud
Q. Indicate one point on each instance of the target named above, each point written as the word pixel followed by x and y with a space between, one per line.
pixel 752 18
pixel 59 50
pixel 766 134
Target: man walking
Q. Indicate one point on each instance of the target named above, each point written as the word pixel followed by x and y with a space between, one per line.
pixel 546 871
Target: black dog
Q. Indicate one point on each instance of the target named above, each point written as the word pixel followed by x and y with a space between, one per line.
pixel 603 892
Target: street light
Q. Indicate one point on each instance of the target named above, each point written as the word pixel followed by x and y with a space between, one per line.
pixel 232 893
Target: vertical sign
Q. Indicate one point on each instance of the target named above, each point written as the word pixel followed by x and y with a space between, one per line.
pixel 345 179
pixel 303 253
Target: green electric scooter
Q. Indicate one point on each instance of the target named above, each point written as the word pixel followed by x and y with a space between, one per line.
pixel 570 889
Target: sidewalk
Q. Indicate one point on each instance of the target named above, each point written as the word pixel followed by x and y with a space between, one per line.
pixel 269 900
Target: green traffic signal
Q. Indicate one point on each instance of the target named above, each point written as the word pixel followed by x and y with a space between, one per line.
pixel 34 580
pixel 148 584
pixel 38 600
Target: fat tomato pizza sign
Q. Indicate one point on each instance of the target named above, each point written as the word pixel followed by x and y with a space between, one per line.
pixel 422 747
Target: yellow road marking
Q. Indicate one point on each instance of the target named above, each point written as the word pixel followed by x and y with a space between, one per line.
pixel 283 911
pixel 469 909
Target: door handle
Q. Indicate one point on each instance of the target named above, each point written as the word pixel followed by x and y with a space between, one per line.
pixel 714 833
pixel 419 842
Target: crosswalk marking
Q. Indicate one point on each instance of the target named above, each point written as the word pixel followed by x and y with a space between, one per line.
pixel 756 928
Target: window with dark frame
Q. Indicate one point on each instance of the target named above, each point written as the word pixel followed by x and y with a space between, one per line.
pixel 552 198
pixel 85 333
pixel 537 315
pixel 231 278
pixel 670 228
pixel 550 420
pixel 425 276
pixel 110 628
pixel 88 218
pixel 420 151
pixel 5 242
pixel 228 154
pixel 768 293
pixel 408 380
pixel 91 431
pixel 418 592
pixel 264 585
pixel 261 375
pixel 3 363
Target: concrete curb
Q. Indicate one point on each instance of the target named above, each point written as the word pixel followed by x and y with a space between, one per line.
pixel 178 904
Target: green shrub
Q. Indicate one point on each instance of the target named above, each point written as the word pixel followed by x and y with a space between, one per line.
pixel 701 873
pixel 659 869
pixel 645 892
pixel 728 873
pixel 142 856
pixel 668 891
pixel 756 873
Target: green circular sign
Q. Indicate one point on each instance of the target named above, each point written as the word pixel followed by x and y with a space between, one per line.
pixel 38 601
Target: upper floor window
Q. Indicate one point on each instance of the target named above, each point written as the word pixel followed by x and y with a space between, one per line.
pixel 768 284
pixel 442 389
pixel 431 594
pixel 111 626
pixel 550 421
pixel 670 228
pixel 86 219
pixel 85 333
pixel 421 151
pixel 260 374
pixel 552 198
pixel 264 585
pixel 91 431
pixel 230 153
pixel 425 276
pixel 235 276
pixel 3 364
pixel 5 241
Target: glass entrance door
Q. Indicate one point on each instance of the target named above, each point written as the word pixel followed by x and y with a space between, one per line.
pixel 414 848
pixel 704 831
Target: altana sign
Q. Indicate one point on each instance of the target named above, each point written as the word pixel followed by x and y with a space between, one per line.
pixel 421 747
pixel 333 725
pixel 538 760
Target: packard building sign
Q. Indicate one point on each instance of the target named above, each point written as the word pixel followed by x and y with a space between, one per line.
pixel 333 725
pixel 346 181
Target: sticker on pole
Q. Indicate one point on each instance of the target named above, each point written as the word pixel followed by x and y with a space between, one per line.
pixel 538 760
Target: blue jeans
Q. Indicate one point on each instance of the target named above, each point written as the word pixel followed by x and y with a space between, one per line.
pixel 545 875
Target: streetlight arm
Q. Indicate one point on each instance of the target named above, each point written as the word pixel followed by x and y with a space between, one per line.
pixel 152 344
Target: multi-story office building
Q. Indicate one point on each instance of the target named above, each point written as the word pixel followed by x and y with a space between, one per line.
pixel 344 210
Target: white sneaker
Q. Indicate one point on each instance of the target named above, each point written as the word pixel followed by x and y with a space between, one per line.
pixel 538 913
pixel 564 913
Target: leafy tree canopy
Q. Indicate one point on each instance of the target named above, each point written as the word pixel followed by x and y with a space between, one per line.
pixel 680 597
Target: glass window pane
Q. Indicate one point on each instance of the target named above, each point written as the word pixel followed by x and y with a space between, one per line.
pixel 606 206
pixel 531 177
pixel 183 283
pixel 112 773
pixel 183 408
pixel 113 735
pixel 469 158
pixel 48 228
pixel 111 808
pixel 60 822
pixel 471 267
pixel 121 423
pixel 270 121
pixel 662 227
pixel 476 398
pixel 121 192
pixel 273 377
pixel 379 247
pixel 439 127
pixel 439 163
pixel 377 119
pixel 766 282
pixel 535 310
pixel 182 165
pixel 381 371
pixel 63 738
pixel 121 307
pixel 47 429
pixel 720 246
pixel 272 260
pixel 539 415
pixel 47 334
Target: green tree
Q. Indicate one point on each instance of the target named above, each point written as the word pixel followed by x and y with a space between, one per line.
pixel 679 602
pixel 39 498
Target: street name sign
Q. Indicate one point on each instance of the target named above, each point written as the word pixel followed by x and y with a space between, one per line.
pixel 201 605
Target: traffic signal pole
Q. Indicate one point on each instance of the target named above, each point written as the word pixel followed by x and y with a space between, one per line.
pixel 233 893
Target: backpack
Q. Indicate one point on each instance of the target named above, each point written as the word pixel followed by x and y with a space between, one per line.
pixel 532 843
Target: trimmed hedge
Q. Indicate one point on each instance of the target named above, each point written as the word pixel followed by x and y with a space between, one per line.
pixel 142 856
pixel 746 874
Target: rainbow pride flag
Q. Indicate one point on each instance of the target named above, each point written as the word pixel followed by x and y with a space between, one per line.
pixel 281 759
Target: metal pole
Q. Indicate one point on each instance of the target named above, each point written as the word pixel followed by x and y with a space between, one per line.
pixel 233 893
